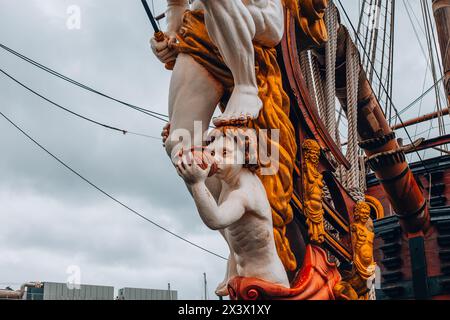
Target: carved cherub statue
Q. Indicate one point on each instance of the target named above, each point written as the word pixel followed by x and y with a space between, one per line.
pixel 313 192
pixel 362 241
pixel 242 213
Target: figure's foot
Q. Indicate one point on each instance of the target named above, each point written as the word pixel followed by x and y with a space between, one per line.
pixel 244 105
pixel 222 289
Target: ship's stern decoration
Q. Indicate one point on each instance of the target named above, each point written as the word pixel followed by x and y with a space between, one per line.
pixel 313 192
pixel 210 52
pixel 355 284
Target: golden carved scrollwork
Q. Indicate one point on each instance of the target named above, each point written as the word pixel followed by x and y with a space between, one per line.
pixel 313 192
pixel 376 207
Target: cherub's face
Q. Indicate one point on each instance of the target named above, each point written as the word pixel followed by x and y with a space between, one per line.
pixel 228 156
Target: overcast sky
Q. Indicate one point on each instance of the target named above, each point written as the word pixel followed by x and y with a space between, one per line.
pixel 49 218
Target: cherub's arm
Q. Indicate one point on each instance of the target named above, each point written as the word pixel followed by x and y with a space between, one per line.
pixel 214 216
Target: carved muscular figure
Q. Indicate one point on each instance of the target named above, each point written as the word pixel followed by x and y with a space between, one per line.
pixel 232 25
pixel 313 186
pixel 362 241
pixel 194 92
pixel 242 212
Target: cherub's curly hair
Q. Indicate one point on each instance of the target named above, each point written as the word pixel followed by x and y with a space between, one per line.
pixel 245 138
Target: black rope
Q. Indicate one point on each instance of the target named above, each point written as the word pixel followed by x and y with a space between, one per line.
pixel 106 193
pixel 123 131
pixel 83 86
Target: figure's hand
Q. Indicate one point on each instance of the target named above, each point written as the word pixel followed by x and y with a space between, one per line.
pixel 165 50
pixel 190 171
pixel 165 133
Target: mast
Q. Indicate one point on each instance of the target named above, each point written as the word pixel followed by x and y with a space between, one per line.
pixel 441 9
pixel 205 285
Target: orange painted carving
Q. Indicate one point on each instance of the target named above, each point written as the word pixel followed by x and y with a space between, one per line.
pixel 315 281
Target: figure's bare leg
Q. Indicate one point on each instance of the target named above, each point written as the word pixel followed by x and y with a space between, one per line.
pixel 231 27
pixel 222 288
pixel 194 95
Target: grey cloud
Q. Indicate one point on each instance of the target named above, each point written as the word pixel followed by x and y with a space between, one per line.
pixel 49 219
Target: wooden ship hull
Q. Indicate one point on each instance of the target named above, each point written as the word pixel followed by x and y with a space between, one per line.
pixel 409 203
pixel 416 267
pixel 412 229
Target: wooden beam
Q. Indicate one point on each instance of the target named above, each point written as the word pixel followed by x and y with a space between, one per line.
pixel 421 119
pixel 431 143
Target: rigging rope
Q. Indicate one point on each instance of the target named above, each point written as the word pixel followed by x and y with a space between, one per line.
pixel 310 69
pixel 384 89
pixel 110 127
pixel 148 112
pixel 108 195
pixel 331 21
pixel 432 49
pixel 353 69
pixel 319 87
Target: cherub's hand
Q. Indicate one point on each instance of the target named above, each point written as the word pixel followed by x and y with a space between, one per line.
pixel 165 50
pixel 190 171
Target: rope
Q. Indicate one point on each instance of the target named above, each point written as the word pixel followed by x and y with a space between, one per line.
pixel 318 84
pixel 330 61
pixel 305 64
pixel 354 175
pixel 311 72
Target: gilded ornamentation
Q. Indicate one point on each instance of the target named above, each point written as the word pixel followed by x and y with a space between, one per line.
pixel 376 207
pixel 313 192
pixel 310 18
pixel 354 284
pixel 344 291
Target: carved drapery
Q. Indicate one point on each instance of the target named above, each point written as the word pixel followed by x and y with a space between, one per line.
pixel 309 15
